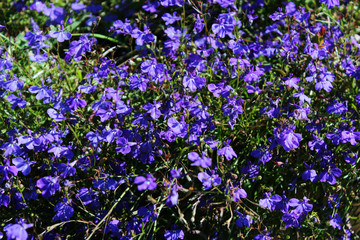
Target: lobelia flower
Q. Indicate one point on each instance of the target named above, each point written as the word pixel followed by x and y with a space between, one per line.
pixel 350 136
pixel 138 82
pixel 302 97
pixel 23 165
pixel 174 234
pixel 78 48
pixel 4 199
pixel 145 183
pixel 173 197
pixel 193 82
pixel 17 231
pixel 49 185
pixel 11 147
pixel 170 19
pixel 263 154
pixel 337 107
pixel 270 202
pixel 202 161
pixel 147 214
pixel 331 3
pixel 330 175
pixel 237 193
pixel 209 181
pixel 56 14
pixel 336 221
pixel 291 219
pixel 6 170
pixel 63 210
pixel 16 101
pixel 288 139
pixel 309 174
pixel 153 109
pixel 243 220
pixel 301 206
pixel 227 150
pixel 176 173
pixel 224 26
pixel 60 36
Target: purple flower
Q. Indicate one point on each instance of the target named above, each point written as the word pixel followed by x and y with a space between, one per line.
pixel 124 146
pixel 175 173
pixel 331 3
pixel 237 193
pixel 173 197
pixel 350 136
pixel 336 221
pixel 78 48
pixel 6 170
pixel 174 234
pixel 145 183
pixel 202 161
pixel 147 214
pixel 57 116
pixel 138 82
pixel 75 102
pixel 152 68
pixel 291 219
pixel 193 82
pixel 170 19
pixel 17 231
pixel 49 185
pixel 209 180
pixel 56 14
pixel 288 139
pixel 243 220
pixel 263 154
pixel 337 107
pixel 301 206
pixel 292 82
pixel 177 127
pixel 61 36
pixel 63 210
pixel 270 202
pixel 224 26
pixel 16 101
pixel 227 150
pixel 302 97
pixel 105 114
pixel 23 165
pixel 11 147
pixel 153 109
pixel 330 175
pixel 309 174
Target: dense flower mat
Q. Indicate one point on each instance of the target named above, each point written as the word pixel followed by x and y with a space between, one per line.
pixel 179 119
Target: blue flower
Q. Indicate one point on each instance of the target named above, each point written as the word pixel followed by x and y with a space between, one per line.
pixel 270 202
pixel 331 3
pixel 60 36
pixel 145 183
pixel 227 150
pixel 174 234
pixel 243 220
pixel 202 161
pixel 63 210
pixel 23 165
pixel 49 185
pixel 209 181
pixel 17 231
pixel 336 221
pixel 301 206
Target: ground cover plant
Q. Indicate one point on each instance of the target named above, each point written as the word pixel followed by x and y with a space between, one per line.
pixel 179 119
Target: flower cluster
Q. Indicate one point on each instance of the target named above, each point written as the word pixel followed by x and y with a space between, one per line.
pixel 179 119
